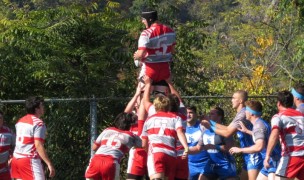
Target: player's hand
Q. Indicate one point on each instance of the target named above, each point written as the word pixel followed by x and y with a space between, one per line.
pixel 135 56
pixel 266 162
pixel 242 127
pixel 9 162
pixel 169 80
pixel 139 88
pixel 235 150
pixel 208 146
pixel 206 123
pixel 51 169
pixel 185 154
pixel 147 80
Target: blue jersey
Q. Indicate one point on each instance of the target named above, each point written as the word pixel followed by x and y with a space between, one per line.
pixel 198 163
pixel 216 156
pixel 193 135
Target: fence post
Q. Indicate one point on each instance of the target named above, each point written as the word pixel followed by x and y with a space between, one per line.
pixel 93 118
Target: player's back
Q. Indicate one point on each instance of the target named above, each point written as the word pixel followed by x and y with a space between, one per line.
pixel 28 129
pixel 291 124
pixel 159 42
pixel 161 131
pixel 115 142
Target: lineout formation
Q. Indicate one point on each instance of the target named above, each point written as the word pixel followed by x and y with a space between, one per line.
pixel 166 139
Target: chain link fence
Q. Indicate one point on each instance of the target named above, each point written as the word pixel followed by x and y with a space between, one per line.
pixel 73 125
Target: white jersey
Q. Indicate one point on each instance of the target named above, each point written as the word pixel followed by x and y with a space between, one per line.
pixel 115 142
pixel 151 110
pixel 28 129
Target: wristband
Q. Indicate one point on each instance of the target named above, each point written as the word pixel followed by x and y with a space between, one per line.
pixel 186 150
pixel 212 123
pixel 218 147
pixel 213 128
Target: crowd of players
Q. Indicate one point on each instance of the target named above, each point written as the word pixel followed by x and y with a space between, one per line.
pixel 166 139
pixel 178 144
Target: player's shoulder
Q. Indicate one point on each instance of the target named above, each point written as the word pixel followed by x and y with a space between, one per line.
pixel 114 129
pixel 31 120
pixel 37 121
pixel 146 32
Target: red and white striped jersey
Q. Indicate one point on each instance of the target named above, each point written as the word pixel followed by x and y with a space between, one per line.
pixel 134 128
pixel 179 146
pixel 115 142
pixel 7 142
pixel 158 41
pixel 291 126
pixel 28 129
pixel 160 130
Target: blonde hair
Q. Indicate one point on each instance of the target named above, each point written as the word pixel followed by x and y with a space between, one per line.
pixel 161 103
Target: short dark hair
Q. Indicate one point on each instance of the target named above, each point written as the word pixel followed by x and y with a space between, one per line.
pixel 150 15
pixel 32 103
pixel 174 103
pixel 285 98
pixel 220 112
pixel 193 108
pixel 123 121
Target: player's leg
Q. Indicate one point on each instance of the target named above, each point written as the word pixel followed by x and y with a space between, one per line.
pixel 92 171
pixel 261 176
pixel 29 168
pixel 290 167
pixel 271 176
pixel 194 170
pixel 226 170
pixel 244 174
pixel 253 174
pixel 137 164
pixel 202 177
pixel 182 170
pixel 253 163
pixel 158 176
pixel 156 168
